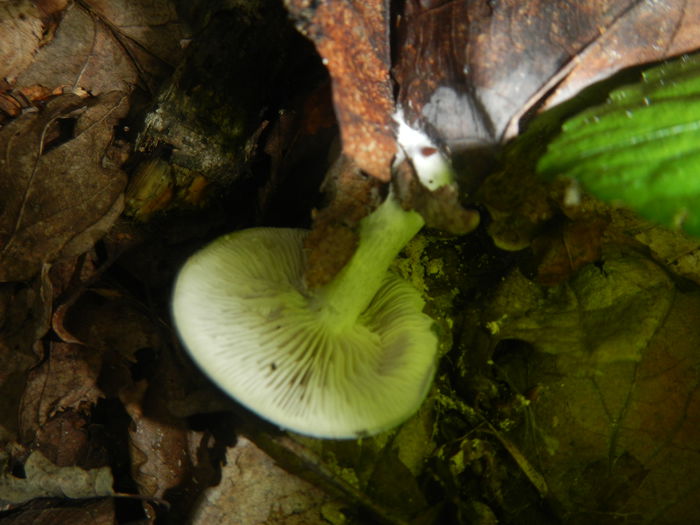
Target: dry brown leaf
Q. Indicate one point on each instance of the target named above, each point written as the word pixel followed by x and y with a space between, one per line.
pixel 89 512
pixel 352 38
pixel 158 441
pixel 644 32
pixel 20 34
pixel 108 321
pixel 150 30
pixel 566 248
pixel 57 198
pixel 25 310
pixel 254 490
pixel 471 70
pixel 103 46
pixel 45 479
pixel 379 474
pixel 62 391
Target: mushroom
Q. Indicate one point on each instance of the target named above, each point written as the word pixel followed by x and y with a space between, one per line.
pixel 350 359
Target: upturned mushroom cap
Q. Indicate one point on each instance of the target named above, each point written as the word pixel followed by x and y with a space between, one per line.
pixel 243 312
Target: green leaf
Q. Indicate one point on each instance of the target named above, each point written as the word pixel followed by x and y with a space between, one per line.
pixel 641 147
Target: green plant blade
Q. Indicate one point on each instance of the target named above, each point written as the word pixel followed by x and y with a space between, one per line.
pixel 641 147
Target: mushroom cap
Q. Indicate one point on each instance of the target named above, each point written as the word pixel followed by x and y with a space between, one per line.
pixel 243 312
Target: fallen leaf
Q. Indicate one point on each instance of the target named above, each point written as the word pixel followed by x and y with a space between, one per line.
pixel 562 251
pixel 622 440
pixel 471 70
pixel 379 475
pixel 99 512
pixel 90 319
pixel 254 489
pixel 100 48
pixel 24 319
pixel 20 35
pixel 605 313
pixel 158 448
pixel 63 386
pixel 159 442
pixel 43 479
pixel 676 251
pixel 334 238
pixel 645 32
pixel 56 196
pixel 150 33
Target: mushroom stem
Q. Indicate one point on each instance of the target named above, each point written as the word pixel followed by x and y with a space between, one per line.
pixel 383 234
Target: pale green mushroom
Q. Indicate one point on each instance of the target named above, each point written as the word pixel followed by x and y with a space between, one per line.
pixel 350 359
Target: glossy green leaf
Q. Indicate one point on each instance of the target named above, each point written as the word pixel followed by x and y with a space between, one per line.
pixel 641 147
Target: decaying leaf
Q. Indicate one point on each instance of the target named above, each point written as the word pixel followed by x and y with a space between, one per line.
pixel 643 32
pixel 378 475
pixel 57 190
pixel 471 70
pixel 65 381
pixel 157 442
pixel 103 46
pixel 100 512
pixel 286 499
pixel 90 320
pixel 24 319
pixel 674 250
pixel 44 479
pixel 20 34
pixel 622 439
pixel 604 314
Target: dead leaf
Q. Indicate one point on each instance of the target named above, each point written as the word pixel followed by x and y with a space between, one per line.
pixel 623 440
pixel 379 475
pixel 158 445
pixel 334 238
pixel 566 248
pixel 150 32
pixel 271 495
pixel 90 319
pixel 56 196
pixel 677 251
pixel 20 34
pixel 352 38
pixel 644 32
pixel 99 512
pixel 64 385
pixel 471 70
pixel 162 459
pixel 103 46
pixel 603 314
pixel 441 208
pixel 24 318
pixel 43 479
